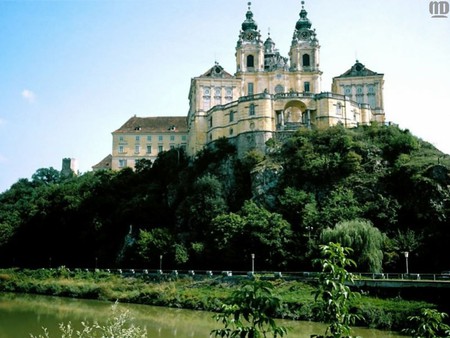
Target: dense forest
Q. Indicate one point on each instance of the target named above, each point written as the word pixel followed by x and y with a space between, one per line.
pixel 378 189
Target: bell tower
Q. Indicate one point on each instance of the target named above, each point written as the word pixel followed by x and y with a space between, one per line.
pixel 249 48
pixel 305 54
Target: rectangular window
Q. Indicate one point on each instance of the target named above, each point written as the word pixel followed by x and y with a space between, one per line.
pixel 250 88
pixel 120 138
pixel 210 122
pixel 138 138
pixel 160 148
pixel 372 101
pixel 306 87
pixel 339 108
pixel 206 103
pixel 121 149
pixel 149 138
pixel 228 94
pixel 183 138
pixel 137 149
pixel 149 149
pixel 122 163
pixel 231 116
pixel 160 138
pixel 252 110
pixel 172 137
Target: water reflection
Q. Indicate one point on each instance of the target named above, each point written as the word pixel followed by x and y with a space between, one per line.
pixel 21 315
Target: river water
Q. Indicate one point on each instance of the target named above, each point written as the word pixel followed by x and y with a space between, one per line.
pixel 21 315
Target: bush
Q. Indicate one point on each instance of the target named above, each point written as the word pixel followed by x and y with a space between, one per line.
pixel 119 325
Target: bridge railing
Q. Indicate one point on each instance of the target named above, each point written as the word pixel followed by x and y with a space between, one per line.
pixel 291 275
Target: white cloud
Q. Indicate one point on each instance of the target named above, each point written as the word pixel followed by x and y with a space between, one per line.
pixel 28 95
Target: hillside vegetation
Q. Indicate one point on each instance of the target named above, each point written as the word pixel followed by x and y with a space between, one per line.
pixel 378 189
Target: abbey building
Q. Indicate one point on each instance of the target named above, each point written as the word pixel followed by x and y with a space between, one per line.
pixel 268 96
pixel 271 94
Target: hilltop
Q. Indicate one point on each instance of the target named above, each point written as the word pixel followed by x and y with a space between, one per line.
pixel 215 210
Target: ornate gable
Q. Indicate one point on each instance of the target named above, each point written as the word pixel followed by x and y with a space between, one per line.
pixel 358 69
pixel 217 71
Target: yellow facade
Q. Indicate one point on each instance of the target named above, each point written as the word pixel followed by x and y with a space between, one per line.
pixel 270 94
pixel 146 137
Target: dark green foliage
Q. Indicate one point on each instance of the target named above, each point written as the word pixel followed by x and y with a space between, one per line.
pixel 429 324
pixel 333 293
pixel 250 312
pixel 366 241
pixel 253 230
pixel 216 209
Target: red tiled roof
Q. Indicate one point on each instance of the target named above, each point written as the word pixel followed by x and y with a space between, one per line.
pixel 159 124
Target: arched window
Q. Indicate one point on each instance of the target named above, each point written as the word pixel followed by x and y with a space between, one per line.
pixel 306 60
pixel 250 61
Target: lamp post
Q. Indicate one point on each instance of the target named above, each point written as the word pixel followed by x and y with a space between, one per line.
pixel 406 253
pixel 160 262
pixel 253 263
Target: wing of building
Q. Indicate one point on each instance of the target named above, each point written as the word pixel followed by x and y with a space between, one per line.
pixel 269 96
pixel 145 137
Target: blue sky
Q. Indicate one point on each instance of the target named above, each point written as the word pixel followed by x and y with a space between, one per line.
pixel 71 72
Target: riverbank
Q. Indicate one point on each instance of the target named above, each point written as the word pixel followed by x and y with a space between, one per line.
pixel 198 294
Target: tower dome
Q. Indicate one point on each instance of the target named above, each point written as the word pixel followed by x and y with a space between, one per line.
pixel 269 45
pixel 303 22
pixel 249 23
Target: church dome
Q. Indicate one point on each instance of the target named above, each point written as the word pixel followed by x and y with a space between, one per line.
pixel 303 22
pixel 249 23
pixel 269 45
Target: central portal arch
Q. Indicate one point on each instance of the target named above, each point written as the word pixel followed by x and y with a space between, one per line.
pixel 293 112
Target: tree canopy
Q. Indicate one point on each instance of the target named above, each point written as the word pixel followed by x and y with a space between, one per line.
pixel 376 188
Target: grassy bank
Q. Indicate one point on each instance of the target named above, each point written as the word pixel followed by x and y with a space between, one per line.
pixel 203 294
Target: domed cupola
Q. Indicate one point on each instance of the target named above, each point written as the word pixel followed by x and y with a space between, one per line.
pixel 249 23
pixel 303 22
pixel 249 32
pixel 269 46
pixel 303 31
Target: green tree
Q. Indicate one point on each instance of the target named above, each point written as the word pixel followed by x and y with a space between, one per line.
pixel 407 240
pixel 429 324
pixel 340 205
pixel 154 242
pixel 46 176
pixel 253 230
pixel 266 234
pixel 299 207
pixel 250 311
pixel 333 294
pixel 365 240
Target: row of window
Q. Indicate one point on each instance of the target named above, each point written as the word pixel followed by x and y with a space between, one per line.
pixel 306 61
pixel 218 91
pixel 149 149
pixel 149 138
pixel 137 149
pixel 360 89
pixel 251 112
